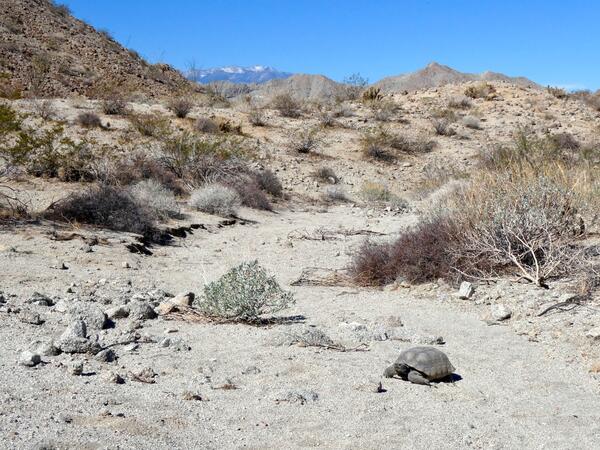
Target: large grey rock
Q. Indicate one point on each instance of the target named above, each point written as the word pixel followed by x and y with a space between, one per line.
pixel 45 347
pixel 93 317
pixel 76 340
pixel 117 312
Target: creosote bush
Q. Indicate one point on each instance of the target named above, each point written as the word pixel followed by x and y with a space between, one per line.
pixel 216 199
pixel 244 294
pixel 206 125
pixel 481 90
pixel 304 141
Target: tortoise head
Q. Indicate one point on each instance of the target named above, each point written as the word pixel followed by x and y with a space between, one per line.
pixel 397 369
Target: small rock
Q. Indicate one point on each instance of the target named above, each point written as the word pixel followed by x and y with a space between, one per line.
pixel 76 368
pixel 45 347
pixel 87 249
pixel 187 395
pixel 141 311
pixel 373 386
pixel 40 299
pixel 107 355
pixel 29 359
pixel 500 312
pixel 125 265
pixel 594 333
pixel 60 265
pixel 117 312
pixel 61 306
pixel 30 318
pixel 183 299
pixel 466 290
pixel 252 370
pixel 75 339
pixel 113 377
pixel 300 396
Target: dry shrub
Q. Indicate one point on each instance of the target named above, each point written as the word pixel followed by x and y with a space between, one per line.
pixel 268 182
pixel 565 141
pixel 257 118
pixel 181 107
pixel 216 199
pixel 326 175
pixel 225 126
pixel 557 92
pixel 89 120
pixel 250 192
pixel 481 90
pixel 287 106
pixel 44 109
pixel 114 103
pixel 587 97
pixel 138 167
pixel 471 122
pixel 206 125
pixel 460 102
pixel 419 255
pixel 442 127
pixel 384 111
pixel 105 206
pixel 371 94
pixel 151 125
pixel 377 146
pixel 304 141
pixel 411 146
pixel 156 198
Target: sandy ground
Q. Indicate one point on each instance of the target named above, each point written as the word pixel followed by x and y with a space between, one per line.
pixel 513 391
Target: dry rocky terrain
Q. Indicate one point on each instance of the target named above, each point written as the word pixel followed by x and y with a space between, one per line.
pixel 104 343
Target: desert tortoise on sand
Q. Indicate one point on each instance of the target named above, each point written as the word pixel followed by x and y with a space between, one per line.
pixel 420 365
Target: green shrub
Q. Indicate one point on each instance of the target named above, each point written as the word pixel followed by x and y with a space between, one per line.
pixel 9 120
pixel 244 294
pixel 151 125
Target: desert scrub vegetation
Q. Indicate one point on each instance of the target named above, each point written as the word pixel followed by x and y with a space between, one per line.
pixel 442 127
pixel 521 215
pixel 151 124
pixel 471 122
pixel 256 117
pixel 384 110
pixel 287 106
pixel 587 97
pixel 49 153
pixel 460 102
pixel 216 199
pixel 139 166
pixel 89 120
pixel 206 125
pixel 155 197
pixel 557 92
pixel 371 94
pixel 305 140
pixel 385 146
pixel 245 293
pixel 372 192
pixel 181 107
pixel 325 175
pixel 105 206
pixel 481 90
pixel 114 103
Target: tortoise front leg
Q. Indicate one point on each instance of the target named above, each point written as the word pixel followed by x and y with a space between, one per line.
pixel 417 378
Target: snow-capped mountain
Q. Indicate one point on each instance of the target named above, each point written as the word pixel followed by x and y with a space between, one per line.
pixel 236 74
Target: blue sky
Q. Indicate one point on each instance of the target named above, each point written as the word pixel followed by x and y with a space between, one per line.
pixel 552 42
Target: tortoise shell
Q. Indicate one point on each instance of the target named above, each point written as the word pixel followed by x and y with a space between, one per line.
pixel 433 363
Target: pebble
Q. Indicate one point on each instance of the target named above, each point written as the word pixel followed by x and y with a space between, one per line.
pixel 117 312
pixel 76 368
pixel 107 355
pixel 125 265
pixel 466 290
pixel 500 312
pixel 40 299
pixel 113 377
pixel 372 386
pixel 29 359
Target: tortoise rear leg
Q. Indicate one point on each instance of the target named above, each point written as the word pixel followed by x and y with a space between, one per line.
pixel 417 378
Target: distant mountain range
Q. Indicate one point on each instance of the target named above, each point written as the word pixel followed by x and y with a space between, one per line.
pixel 236 74
pixel 265 82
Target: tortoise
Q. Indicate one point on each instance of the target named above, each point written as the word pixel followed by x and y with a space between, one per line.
pixel 420 365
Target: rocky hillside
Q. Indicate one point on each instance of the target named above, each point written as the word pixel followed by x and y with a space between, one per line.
pixel 435 75
pixel 45 51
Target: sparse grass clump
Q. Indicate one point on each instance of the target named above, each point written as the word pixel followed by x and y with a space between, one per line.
pixel 155 197
pixel 460 102
pixel 287 106
pixel 442 127
pixel 104 206
pixel 89 120
pixel 244 294
pixel 216 199
pixel 181 107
